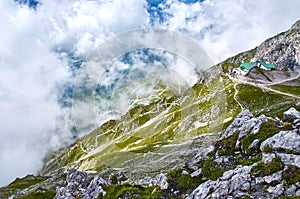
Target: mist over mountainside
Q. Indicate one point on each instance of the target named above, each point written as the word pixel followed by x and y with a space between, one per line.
pixel 228 135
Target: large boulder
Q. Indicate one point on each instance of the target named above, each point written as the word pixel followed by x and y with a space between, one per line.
pixel 233 182
pixel 284 140
pixel 78 186
pixel 244 123
pixel 292 113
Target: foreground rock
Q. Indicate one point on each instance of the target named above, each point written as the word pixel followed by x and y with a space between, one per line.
pixel 284 141
pixel 292 113
pixel 272 170
pixel 79 187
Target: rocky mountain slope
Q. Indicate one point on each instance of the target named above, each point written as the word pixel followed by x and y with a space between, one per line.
pixel 274 50
pixel 223 137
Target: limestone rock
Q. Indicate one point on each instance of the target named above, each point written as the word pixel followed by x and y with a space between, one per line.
pixel 234 182
pixel 76 185
pixel 290 159
pixel 162 181
pixel 95 188
pixel 292 113
pixel 284 140
pixel 244 123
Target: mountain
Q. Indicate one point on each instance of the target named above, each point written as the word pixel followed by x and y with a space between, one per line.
pixel 226 136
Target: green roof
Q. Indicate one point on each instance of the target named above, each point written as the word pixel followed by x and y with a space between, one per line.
pixel 268 66
pixel 249 65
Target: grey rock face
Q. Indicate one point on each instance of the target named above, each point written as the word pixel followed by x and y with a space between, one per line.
pixel 234 182
pixel 79 187
pixel 289 191
pixel 292 113
pixel 284 140
pixel 274 178
pixel 76 185
pixel 276 191
pixel 277 49
pixel 290 159
pixel 254 143
pixel 162 181
pixel 196 173
pixel 244 123
pixel 268 157
pixel 238 182
pixel 95 188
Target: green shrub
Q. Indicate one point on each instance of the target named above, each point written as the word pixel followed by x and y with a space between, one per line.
pixel 212 170
pixel 130 191
pixel 291 175
pixel 226 146
pixel 262 169
pixel 181 182
pixel 40 194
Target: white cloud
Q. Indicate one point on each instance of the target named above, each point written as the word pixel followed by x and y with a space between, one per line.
pixel 225 28
pixel 30 70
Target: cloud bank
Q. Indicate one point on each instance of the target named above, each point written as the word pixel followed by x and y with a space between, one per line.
pixel 38 44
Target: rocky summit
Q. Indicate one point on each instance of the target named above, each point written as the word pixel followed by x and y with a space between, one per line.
pixel 228 136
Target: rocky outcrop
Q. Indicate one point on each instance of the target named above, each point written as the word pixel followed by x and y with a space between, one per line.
pixel 269 176
pixel 234 183
pixel 284 141
pixel 79 187
pixel 159 180
pixel 244 122
pixel 292 113
pixel 277 49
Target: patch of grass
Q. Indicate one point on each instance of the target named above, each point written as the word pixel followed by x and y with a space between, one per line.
pixel 125 142
pixel 75 153
pixel 227 66
pixel 197 90
pixel 226 146
pixel 260 102
pixel 181 182
pixel 20 184
pixel 267 149
pixel 291 175
pixel 27 181
pixel 212 170
pixel 250 161
pixel 109 124
pixel 48 194
pixel 295 90
pixel 262 169
pixel 289 197
pixel 245 197
pixel 267 129
pixel 130 191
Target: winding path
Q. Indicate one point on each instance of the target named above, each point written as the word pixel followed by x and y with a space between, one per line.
pixel 262 85
pixel 235 96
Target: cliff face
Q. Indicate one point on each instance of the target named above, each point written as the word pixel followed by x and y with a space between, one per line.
pixel 276 49
pixel 223 137
pixel 260 156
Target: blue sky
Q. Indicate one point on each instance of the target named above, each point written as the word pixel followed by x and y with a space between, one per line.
pixel 39 40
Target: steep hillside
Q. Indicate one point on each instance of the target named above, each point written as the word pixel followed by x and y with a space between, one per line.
pixel 212 141
pixel 273 50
